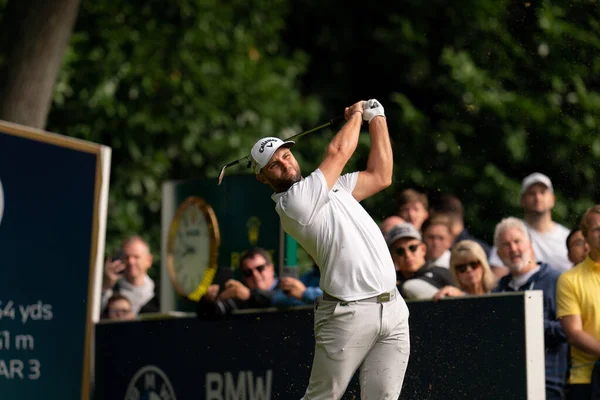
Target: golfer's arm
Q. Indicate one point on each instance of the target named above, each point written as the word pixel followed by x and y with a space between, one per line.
pixel 579 338
pixel 380 164
pixel 340 149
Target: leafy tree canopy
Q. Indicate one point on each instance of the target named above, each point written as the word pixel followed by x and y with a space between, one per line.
pixel 478 95
pixel 177 89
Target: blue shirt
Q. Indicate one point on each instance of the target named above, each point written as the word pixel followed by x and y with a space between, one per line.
pixel 311 280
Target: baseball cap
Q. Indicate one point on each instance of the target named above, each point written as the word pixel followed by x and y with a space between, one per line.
pixel 400 231
pixel 534 178
pixel 263 150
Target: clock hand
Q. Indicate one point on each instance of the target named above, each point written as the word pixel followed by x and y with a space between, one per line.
pixel 190 249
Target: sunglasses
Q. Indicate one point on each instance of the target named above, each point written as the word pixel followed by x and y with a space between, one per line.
pixel 463 267
pixel 401 251
pixel 248 272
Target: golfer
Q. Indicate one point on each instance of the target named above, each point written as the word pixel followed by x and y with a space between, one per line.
pixel 361 321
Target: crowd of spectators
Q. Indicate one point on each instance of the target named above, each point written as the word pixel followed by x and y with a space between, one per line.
pixel 435 257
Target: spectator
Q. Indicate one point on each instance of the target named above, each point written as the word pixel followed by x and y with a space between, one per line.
pixel 548 237
pixel 389 223
pixel 296 292
pixel 257 291
pixel 438 239
pixel 118 308
pixel 516 252
pixel 128 275
pixel 414 279
pixel 412 207
pixel 452 207
pixel 470 271
pixel 577 247
pixel 578 300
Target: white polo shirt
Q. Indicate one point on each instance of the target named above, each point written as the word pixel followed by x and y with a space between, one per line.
pixel 339 234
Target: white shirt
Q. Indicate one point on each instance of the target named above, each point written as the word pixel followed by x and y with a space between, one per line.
pixel 138 296
pixel 517 281
pixel 339 234
pixel 443 261
pixel 549 247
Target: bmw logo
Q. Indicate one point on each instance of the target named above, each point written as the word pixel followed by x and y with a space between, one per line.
pixel 150 383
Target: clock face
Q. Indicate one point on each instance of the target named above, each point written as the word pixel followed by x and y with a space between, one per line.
pixel 192 247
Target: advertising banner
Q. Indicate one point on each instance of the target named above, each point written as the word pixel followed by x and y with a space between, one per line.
pixel 488 347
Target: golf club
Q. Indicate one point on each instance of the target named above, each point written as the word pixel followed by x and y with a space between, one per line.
pixel 296 136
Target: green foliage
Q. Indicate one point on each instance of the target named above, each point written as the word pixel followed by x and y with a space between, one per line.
pixel 177 89
pixel 478 94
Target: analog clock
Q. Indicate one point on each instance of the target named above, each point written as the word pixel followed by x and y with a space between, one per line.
pixel 192 248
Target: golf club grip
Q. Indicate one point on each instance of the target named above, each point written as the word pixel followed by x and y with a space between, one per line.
pixel 337 119
pixel 325 125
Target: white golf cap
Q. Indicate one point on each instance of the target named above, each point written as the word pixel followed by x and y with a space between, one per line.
pixel 534 178
pixel 400 231
pixel 263 150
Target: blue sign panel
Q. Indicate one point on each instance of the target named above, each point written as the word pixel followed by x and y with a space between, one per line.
pixel 49 201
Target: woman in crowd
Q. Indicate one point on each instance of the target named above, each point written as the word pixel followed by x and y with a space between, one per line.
pixel 470 271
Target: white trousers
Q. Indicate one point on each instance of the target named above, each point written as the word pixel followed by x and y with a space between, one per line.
pixel 349 335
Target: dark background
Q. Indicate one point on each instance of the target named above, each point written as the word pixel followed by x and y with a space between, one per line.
pixel 480 355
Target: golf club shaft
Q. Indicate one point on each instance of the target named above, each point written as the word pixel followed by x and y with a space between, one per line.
pixel 325 125
pixel 296 136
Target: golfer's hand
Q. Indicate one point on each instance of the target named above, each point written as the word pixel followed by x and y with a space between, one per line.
pixel 113 271
pixel 235 290
pixel 293 287
pixel 372 109
pixel 354 108
pixel 448 291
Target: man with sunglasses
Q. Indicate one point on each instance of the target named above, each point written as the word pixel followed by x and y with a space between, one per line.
pixel 515 249
pixel 256 291
pixel 414 279
pixel 361 322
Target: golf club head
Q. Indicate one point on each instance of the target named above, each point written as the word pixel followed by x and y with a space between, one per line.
pixel 221 175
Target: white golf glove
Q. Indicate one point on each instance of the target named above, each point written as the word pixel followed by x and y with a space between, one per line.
pixel 371 109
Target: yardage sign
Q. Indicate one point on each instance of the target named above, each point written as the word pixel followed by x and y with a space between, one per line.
pixel 53 194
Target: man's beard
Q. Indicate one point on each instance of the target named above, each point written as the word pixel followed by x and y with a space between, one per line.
pixel 283 184
pixel 525 260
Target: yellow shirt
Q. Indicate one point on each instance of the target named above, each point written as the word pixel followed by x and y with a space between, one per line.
pixel 578 293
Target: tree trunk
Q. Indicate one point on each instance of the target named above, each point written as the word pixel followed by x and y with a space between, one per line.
pixel 33 38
